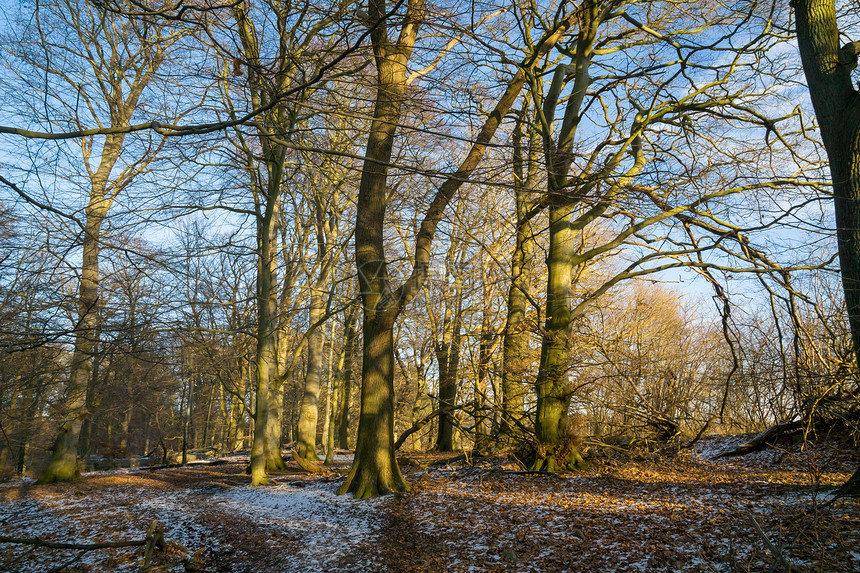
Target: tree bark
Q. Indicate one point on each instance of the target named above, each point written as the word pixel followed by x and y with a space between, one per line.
pixel 516 332
pixel 266 369
pixel 374 470
pixel 350 338
pixel 485 352
pixel 837 106
pixel 274 426
pixel 64 458
pixel 309 415
pixel 552 385
pixel 131 72
pixel 828 69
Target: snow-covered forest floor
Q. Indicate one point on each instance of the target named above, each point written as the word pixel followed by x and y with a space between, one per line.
pixel 689 512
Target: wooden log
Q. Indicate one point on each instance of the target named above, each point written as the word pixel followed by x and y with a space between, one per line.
pixel 760 440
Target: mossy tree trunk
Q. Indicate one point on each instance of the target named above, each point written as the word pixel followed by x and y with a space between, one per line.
pixel 516 332
pixel 64 458
pixel 265 86
pixel 374 470
pixel 274 425
pixel 552 385
pixel 238 406
pixel 309 414
pixel 264 453
pixel 326 209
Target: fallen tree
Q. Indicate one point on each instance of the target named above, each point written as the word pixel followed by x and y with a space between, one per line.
pixel 154 540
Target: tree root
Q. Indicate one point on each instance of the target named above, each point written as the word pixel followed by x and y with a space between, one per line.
pixel 309 466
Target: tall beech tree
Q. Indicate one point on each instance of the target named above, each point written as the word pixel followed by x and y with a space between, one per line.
pixel 305 42
pixel 594 156
pixel 119 59
pixel 526 168
pixel 374 470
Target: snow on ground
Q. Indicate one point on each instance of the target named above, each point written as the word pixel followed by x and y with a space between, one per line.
pixel 687 514
pixel 328 526
pixel 215 518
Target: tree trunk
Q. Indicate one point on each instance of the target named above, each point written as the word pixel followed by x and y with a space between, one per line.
pixel 516 333
pixel 448 360
pixel 274 426
pixel 64 459
pixel 485 350
pixel 124 433
pixel 349 342
pixel 263 452
pixel 129 77
pixel 188 394
pixel 308 418
pixel 837 106
pixel 334 398
pixel 552 385
pixel 34 402
pixel 828 70
pixel 422 403
pixel 237 408
pixel 375 470
pixel 554 449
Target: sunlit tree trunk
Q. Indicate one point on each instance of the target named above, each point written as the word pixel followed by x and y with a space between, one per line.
pixel 516 333
pixel 64 458
pixel 374 470
pixel 274 425
pixel 131 61
pixel 308 417
pixel 552 385
pixel 237 407
pixel 264 453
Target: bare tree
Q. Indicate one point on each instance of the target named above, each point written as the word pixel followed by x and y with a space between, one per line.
pixel 112 63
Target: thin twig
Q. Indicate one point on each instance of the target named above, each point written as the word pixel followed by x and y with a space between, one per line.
pixel 780 558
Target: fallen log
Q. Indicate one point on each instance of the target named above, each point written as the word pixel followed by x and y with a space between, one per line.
pixel 154 539
pixel 761 440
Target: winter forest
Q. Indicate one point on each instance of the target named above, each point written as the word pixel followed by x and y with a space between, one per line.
pixel 547 285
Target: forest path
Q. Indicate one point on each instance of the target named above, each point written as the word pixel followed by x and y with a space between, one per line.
pixel 690 513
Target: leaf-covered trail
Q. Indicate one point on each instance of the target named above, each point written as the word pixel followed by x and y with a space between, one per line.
pixel 688 514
